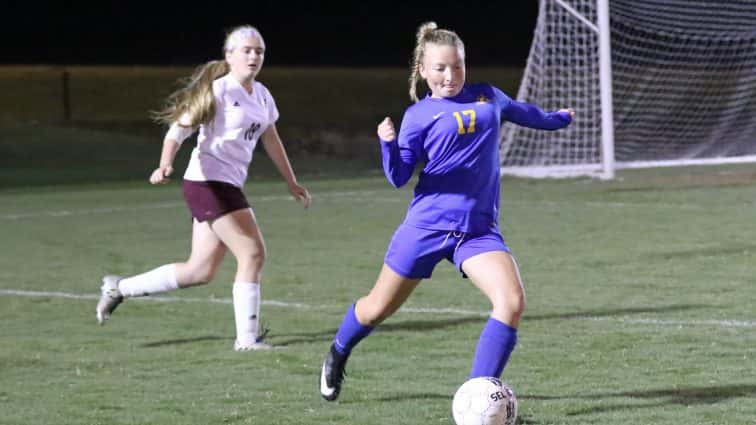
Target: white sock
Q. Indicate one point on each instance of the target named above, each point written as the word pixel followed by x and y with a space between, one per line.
pixel 246 311
pixel 161 279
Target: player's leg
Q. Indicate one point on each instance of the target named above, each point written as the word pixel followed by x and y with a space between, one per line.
pixel 390 291
pixel 240 233
pixel 496 274
pixel 410 257
pixel 206 255
pixel 205 258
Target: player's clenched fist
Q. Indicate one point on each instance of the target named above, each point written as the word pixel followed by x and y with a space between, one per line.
pixel 386 130
pixel 161 174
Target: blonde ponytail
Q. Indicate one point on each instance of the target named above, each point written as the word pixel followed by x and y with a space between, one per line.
pixel 195 98
pixel 422 33
pixel 429 33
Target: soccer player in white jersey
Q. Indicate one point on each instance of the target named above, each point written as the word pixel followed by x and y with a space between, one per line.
pixel 232 112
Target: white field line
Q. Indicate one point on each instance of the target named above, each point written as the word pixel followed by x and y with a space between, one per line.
pixel 665 322
pixel 362 195
pixel 67 213
pixel 614 204
pixel 410 310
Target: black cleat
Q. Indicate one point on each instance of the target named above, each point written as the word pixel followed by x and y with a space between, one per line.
pixel 332 374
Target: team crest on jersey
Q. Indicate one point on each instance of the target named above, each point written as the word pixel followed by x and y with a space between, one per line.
pixel 482 98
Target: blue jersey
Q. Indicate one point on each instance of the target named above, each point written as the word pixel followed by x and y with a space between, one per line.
pixel 457 138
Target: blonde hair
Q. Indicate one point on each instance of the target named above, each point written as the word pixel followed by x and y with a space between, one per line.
pixel 195 97
pixel 429 33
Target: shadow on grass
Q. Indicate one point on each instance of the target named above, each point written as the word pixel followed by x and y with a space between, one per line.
pixel 652 257
pixel 325 336
pixel 661 397
pixel 184 341
pixel 526 420
pixel 431 325
pixel 283 340
pixel 401 397
pixel 706 251
pixel 410 325
pixel 521 419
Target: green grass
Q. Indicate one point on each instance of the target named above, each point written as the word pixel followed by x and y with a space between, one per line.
pixel 640 291
pixel 640 306
pixel 43 155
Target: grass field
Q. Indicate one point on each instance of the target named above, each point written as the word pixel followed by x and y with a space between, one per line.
pixel 641 301
pixel 641 306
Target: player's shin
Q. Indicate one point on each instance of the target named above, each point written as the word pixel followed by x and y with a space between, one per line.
pixel 496 343
pixel 350 332
pixel 246 297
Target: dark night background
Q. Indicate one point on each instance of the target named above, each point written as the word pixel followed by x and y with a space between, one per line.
pixel 356 33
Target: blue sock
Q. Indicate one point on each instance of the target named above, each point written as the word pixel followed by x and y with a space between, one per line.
pixel 494 347
pixel 350 332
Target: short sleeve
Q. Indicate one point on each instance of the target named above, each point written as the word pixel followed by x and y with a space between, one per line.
pixel 185 120
pixel 270 103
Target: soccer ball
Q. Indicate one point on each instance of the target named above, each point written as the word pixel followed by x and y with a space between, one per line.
pixel 484 401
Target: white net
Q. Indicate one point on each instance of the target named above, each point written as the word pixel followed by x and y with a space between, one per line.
pixel 684 84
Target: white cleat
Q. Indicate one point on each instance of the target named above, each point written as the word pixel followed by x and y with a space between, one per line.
pixel 110 298
pixel 254 346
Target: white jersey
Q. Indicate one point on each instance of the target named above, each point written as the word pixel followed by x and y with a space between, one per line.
pixel 225 147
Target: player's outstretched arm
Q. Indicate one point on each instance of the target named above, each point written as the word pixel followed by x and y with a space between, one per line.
pixel 529 115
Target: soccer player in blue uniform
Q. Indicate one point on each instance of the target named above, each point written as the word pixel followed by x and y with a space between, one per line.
pixel 454 132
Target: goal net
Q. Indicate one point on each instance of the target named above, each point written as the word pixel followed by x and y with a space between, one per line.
pixel 679 87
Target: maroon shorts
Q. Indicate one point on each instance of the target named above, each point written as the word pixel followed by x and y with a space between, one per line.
pixel 209 200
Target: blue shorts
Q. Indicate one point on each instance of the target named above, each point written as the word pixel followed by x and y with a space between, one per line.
pixel 414 252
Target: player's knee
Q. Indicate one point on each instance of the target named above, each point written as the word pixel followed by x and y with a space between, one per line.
pixel 513 304
pixel 518 305
pixel 254 259
pixel 371 313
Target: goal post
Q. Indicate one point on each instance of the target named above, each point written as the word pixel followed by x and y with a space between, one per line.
pixel 654 83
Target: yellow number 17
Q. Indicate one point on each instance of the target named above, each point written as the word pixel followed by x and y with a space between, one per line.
pixel 461 126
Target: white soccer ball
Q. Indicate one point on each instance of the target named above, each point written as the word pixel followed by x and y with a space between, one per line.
pixel 484 401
